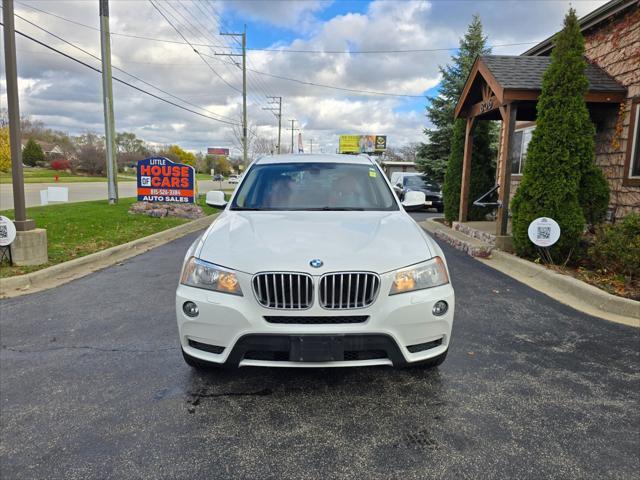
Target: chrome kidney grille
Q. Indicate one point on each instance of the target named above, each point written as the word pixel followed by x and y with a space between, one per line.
pixel 348 290
pixel 287 291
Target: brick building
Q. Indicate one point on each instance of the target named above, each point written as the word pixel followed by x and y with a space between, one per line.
pixel 507 88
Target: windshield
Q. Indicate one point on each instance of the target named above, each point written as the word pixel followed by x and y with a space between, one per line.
pixel 314 186
pixel 420 181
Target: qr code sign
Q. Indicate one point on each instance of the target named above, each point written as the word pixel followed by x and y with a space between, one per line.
pixel 544 233
pixel 4 233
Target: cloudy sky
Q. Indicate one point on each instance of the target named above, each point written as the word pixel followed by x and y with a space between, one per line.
pixel 67 96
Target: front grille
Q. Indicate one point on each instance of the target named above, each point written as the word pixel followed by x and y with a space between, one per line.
pixel 364 354
pixel 348 290
pixel 283 356
pixel 267 355
pixel 288 291
pixel 317 320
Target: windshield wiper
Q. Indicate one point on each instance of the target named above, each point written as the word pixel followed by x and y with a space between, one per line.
pixel 247 209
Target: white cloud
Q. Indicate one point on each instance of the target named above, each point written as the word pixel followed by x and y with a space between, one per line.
pixel 68 96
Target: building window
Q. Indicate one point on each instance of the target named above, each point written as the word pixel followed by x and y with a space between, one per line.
pixel 634 141
pixel 521 139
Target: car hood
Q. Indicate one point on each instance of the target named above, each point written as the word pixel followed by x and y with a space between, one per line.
pixel 287 241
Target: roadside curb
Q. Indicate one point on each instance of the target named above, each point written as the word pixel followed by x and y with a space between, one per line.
pixel 563 288
pixel 65 272
pixel 458 240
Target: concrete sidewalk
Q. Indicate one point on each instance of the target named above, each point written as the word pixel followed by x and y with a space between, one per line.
pixel 85 191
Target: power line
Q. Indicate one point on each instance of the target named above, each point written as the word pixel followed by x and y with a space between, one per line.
pixel 120 69
pixel 204 32
pixel 193 47
pixel 70 57
pixel 354 90
pixel 358 52
pixel 280 50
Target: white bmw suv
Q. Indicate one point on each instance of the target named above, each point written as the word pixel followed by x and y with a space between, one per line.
pixel 314 263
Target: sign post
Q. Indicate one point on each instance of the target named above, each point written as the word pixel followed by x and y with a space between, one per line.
pixel 161 180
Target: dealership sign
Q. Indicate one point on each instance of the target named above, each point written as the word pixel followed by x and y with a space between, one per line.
pixel 363 143
pixel 161 180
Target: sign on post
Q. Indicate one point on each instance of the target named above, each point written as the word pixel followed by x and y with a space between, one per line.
pixel 218 151
pixel 363 143
pixel 544 231
pixel 161 180
pixel 7 231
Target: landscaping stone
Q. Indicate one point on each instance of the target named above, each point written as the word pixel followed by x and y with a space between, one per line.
pixel 180 210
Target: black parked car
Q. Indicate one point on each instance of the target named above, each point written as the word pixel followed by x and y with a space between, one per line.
pixel 421 183
pixel 218 177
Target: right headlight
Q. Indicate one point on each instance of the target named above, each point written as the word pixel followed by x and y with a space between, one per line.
pixel 200 274
pixel 431 273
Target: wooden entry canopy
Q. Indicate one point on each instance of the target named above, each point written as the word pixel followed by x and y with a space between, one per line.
pixel 501 87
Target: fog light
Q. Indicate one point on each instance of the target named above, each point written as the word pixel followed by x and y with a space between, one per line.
pixel 440 308
pixel 191 309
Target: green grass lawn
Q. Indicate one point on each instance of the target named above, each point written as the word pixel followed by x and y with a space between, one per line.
pixel 78 229
pixel 47 175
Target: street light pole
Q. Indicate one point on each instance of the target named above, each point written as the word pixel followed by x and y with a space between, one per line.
pixel 245 140
pixel 245 152
pixel 107 95
pixel 20 214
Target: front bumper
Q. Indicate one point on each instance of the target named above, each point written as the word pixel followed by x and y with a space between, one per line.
pixel 402 326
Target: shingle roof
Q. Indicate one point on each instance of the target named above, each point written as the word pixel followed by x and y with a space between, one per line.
pixel 525 73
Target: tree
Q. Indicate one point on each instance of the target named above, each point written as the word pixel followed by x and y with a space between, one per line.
pixel 406 153
pixel 32 153
pixel 177 154
pixel 130 148
pixel 90 156
pixel 5 150
pixel 482 177
pixel 560 158
pixel 433 155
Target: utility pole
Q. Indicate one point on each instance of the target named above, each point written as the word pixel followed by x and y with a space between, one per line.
pixel 107 96
pixel 311 145
pixel 245 143
pixel 273 101
pixel 292 130
pixel 20 214
pixel 30 244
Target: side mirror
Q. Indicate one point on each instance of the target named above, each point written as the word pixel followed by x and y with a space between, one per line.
pixel 414 199
pixel 215 198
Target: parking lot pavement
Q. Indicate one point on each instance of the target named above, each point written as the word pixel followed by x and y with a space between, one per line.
pixel 92 386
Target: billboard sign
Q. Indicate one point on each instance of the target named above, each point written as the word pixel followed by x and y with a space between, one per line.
pixel 218 151
pixel 363 143
pixel 161 180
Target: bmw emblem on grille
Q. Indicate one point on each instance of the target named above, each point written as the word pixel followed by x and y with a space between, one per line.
pixel 316 263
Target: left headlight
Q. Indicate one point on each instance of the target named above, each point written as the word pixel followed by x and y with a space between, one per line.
pixel 200 274
pixel 431 273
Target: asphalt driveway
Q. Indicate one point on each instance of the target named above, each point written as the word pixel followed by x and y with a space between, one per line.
pixel 92 385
